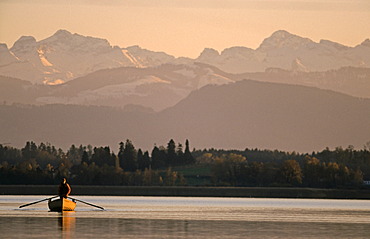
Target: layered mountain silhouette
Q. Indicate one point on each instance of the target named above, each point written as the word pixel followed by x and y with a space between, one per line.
pixel 244 114
pixel 161 87
pixel 269 115
pixel 290 93
pixel 289 52
pixel 65 56
pixel 156 88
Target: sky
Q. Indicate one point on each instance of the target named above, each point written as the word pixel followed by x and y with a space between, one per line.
pixel 186 27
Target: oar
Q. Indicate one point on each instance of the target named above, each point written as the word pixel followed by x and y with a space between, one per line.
pixel 102 208
pixel 25 205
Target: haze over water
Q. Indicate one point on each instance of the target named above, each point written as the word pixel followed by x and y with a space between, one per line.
pixel 179 217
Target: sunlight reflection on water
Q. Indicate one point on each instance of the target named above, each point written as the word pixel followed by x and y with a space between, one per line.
pixel 179 217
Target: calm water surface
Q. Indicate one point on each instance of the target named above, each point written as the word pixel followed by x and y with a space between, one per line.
pixel 186 217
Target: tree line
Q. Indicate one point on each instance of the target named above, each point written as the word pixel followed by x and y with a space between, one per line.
pixel 174 164
pixel 85 165
pixel 234 170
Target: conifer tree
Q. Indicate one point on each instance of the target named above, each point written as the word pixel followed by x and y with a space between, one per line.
pixel 102 156
pixel 189 159
pixel 140 160
pixel 120 154
pixel 158 158
pixel 128 156
pixel 180 155
pixel 171 154
pixel 146 160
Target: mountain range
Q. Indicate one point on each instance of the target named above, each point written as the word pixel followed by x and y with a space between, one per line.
pixel 65 56
pixel 289 52
pixel 157 88
pixel 290 94
pixel 244 114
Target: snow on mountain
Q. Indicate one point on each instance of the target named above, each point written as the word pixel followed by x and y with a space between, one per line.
pixel 233 116
pixel 148 58
pixel 234 59
pixel 290 52
pixel 157 87
pixel 284 40
pixel 298 66
pixel 24 45
pixel 65 56
pixel 163 86
pixel 12 66
pixel 208 54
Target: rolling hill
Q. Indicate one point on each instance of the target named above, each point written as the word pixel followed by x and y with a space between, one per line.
pixel 244 114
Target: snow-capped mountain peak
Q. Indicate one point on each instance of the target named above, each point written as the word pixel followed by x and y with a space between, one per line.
pixel 237 50
pixel 61 33
pixel 146 58
pixel 208 53
pixel 24 43
pixel 67 41
pixel 283 39
pixel 65 56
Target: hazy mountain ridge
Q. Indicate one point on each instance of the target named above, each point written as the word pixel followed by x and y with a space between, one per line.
pixel 290 52
pixel 259 114
pixel 249 114
pixel 164 86
pixel 206 100
pixel 354 81
pixel 157 88
pixel 65 56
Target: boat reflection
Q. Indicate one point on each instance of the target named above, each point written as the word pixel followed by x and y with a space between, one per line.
pixel 67 223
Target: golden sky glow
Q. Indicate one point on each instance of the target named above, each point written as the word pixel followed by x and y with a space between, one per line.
pixel 186 27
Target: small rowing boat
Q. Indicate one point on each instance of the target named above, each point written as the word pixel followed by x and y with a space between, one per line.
pixel 60 205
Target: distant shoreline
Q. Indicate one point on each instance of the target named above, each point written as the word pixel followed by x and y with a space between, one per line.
pixel 254 192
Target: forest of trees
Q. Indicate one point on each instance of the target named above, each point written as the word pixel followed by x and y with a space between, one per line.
pixel 177 165
pixel 85 165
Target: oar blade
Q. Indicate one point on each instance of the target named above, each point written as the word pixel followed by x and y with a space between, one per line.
pixel 29 204
pixel 90 204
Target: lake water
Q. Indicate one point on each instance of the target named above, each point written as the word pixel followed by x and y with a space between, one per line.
pixel 186 217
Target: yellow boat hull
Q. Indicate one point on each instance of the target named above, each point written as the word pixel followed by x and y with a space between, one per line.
pixel 60 205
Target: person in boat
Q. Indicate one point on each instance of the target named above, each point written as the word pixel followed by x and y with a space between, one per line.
pixel 64 189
